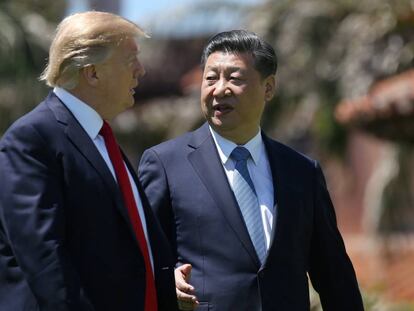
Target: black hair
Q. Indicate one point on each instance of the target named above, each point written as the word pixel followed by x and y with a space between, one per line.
pixel 242 41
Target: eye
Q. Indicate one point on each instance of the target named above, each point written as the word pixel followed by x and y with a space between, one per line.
pixel 210 79
pixel 236 79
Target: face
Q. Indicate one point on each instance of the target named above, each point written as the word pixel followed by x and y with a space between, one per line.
pixel 233 95
pixel 118 76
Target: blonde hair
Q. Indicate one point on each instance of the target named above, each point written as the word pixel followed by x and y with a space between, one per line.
pixel 84 39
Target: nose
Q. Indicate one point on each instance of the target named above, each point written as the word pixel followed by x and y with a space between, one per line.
pixel 139 70
pixel 142 71
pixel 220 88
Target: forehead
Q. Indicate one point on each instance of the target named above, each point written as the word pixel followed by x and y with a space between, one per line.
pixel 127 46
pixel 224 59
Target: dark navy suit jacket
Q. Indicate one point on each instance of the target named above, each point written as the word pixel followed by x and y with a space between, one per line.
pixel 187 187
pixel 66 242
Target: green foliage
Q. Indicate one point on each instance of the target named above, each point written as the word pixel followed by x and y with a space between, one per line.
pixel 26 28
pixel 329 51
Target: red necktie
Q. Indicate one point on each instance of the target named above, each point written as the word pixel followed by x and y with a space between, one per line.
pixel 125 186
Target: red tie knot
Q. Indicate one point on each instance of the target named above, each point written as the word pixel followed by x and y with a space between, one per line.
pixel 105 129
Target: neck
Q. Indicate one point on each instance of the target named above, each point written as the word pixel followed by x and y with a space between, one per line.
pixel 89 98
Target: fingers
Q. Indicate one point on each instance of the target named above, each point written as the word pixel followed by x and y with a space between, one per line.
pixel 186 270
pixel 184 297
pixel 186 306
pixel 182 277
pixel 186 301
pixel 185 291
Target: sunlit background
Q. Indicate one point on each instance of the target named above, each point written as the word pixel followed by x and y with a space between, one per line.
pixel 345 96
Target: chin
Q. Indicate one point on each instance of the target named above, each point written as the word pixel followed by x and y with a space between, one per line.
pixel 224 124
pixel 215 123
pixel 130 103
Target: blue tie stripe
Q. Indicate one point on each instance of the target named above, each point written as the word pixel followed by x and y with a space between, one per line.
pixel 246 197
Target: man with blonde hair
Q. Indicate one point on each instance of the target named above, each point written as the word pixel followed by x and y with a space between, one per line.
pixel 76 232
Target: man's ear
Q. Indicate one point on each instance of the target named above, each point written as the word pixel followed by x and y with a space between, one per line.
pixel 90 75
pixel 270 87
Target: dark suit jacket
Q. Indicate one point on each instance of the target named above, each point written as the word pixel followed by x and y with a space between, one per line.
pixel 66 242
pixel 187 187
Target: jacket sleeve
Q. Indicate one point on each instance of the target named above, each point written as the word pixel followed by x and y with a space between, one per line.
pixel 154 180
pixel 331 270
pixel 32 213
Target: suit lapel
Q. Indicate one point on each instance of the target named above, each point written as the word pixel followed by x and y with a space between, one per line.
pixel 206 162
pixel 149 219
pixel 285 196
pixel 83 143
pixel 274 167
pixel 159 246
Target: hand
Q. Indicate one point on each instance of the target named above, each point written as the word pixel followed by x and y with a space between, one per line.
pixel 185 291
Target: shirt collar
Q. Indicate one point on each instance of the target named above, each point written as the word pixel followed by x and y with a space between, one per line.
pixel 225 146
pixel 88 118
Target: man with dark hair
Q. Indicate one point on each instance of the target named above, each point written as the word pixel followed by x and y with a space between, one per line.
pixel 76 231
pixel 248 217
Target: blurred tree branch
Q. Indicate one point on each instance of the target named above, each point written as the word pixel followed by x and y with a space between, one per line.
pixel 328 51
pixel 26 28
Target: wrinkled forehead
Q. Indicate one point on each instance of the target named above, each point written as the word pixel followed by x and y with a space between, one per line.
pixel 225 59
pixel 130 43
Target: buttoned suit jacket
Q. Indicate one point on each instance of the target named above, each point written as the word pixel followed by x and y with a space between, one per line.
pixel 188 190
pixel 66 241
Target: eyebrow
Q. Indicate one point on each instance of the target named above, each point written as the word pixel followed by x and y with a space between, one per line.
pixel 231 68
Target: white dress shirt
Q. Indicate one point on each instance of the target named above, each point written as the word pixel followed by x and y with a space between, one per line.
pixel 260 173
pixel 92 123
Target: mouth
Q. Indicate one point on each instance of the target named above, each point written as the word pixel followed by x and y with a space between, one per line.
pixel 221 109
pixel 132 89
pixel 134 83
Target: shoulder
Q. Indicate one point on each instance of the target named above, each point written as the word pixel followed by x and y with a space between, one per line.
pixel 288 156
pixel 174 151
pixel 36 127
pixel 182 144
pixel 166 153
pixel 172 145
pixel 29 124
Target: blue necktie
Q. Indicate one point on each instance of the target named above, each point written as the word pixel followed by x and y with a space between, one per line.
pixel 246 197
